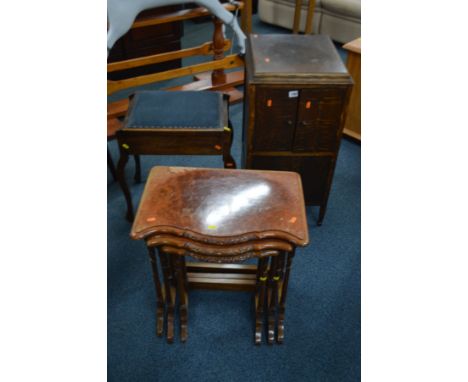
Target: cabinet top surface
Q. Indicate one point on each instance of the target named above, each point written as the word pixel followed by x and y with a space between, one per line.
pixel 222 206
pixel 282 55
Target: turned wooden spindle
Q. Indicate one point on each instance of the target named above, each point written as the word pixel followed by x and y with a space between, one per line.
pixel 218 76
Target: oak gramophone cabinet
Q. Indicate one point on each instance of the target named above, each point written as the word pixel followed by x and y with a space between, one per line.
pixel 296 94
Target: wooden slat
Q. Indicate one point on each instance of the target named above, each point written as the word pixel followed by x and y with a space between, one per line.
pixel 117 109
pixel 297 16
pixel 246 17
pixel 235 95
pixel 231 276
pixel 310 15
pixel 112 126
pixel 221 268
pixel 232 79
pixel 202 50
pixel 228 62
pixel 185 14
pixel 221 284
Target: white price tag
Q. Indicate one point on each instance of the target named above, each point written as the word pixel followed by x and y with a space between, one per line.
pixel 293 93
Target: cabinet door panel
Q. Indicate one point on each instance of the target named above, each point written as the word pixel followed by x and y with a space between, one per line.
pixel 318 121
pixel 314 172
pixel 275 119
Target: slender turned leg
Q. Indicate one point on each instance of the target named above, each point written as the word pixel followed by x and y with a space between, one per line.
pixel 110 165
pixel 184 267
pixel 163 257
pixel 137 169
pixel 273 300
pixel 228 160
pixel 284 290
pixel 183 300
pixel 123 184
pixel 262 277
pixel 159 293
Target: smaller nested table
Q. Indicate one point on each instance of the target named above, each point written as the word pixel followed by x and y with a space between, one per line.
pixel 220 218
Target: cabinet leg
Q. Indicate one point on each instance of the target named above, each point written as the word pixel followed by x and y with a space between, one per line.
pixel 323 209
pixel 123 184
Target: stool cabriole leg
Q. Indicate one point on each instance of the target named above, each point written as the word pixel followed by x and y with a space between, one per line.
pixel 228 137
pixel 137 169
pixel 123 184
pixel 284 289
pixel 110 165
pixel 163 257
pixel 262 272
pixel 159 293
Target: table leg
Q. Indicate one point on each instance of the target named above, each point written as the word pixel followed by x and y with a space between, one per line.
pixel 273 300
pixel 123 184
pixel 183 299
pixel 164 259
pixel 284 289
pixel 262 277
pixel 275 272
pixel 159 293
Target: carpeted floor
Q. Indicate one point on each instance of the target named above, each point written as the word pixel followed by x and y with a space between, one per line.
pixel 322 339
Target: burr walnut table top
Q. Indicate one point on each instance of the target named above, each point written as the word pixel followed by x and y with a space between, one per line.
pixel 222 207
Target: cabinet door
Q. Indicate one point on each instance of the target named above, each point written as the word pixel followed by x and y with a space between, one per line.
pixel 314 172
pixel 318 120
pixel 275 119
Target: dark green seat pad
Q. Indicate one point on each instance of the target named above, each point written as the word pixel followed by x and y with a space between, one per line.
pixel 176 110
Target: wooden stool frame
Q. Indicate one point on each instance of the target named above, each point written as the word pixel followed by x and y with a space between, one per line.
pixel 136 142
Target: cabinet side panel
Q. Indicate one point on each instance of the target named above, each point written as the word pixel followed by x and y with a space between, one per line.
pixel 314 172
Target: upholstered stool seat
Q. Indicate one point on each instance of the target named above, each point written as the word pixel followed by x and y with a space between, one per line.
pixel 174 123
pixel 176 110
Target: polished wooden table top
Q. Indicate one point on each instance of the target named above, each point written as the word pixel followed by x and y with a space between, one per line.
pixel 294 57
pixel 221 206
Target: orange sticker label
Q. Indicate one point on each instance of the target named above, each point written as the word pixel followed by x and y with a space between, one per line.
pixel 269 103
pixel 308 105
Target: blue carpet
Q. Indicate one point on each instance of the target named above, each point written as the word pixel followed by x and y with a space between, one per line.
pixel 322 337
